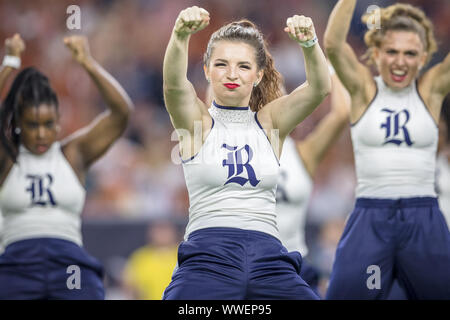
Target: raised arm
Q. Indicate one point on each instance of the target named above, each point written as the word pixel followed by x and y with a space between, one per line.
pixel 313 148
pixel 88 144
pixel 288 111
pixel 353 74
pixel 434 86
pixel 180 98
pixel 443 77
pixel 14 46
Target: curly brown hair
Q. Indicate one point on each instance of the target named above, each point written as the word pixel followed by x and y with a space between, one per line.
pixel 246 31
pixel 400 17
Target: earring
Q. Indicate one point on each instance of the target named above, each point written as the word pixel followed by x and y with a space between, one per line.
pixel 207 79
pixel 255 84
pixel 17 130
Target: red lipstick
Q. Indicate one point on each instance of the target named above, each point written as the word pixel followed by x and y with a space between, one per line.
pixel 231 85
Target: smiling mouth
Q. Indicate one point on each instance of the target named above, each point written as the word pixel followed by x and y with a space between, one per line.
pixel 398 76
pixel 231 85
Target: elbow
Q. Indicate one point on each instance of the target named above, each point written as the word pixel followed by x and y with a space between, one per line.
pixel 123 113
pixel 127 109
pixel 323 93
pixel 127 112
pixel 327 88
pixel 323 89
pixel 122 121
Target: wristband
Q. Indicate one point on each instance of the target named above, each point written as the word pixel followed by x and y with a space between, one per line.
pixel 11 61
pixel 309 43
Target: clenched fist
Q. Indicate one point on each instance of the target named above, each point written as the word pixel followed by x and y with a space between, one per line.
pixel 300 29
pixel 191 20
pixel 14 45
pixel 79 47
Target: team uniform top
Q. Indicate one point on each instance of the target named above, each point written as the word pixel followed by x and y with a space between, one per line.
pixel 395 144
pixel 443 185
pixel 293 192
pixel 42 198
pixel 232 180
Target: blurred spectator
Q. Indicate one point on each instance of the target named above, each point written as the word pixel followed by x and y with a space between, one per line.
pixel 149 268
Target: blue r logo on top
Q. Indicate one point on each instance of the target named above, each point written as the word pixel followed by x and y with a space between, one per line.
pixel 236 165
pixel 39 189
pixel 396 133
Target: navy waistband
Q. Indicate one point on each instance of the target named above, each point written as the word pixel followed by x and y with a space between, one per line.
pixel 397 203
pixel 214 232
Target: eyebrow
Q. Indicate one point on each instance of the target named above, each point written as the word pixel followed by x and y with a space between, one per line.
pixel 240 62
pixel 408 50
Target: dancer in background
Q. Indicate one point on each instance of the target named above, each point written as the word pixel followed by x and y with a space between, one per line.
pixel 396 230
pixel 42 184
pixel 14 46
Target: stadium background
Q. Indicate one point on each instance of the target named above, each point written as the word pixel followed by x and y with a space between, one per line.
pixel 138 181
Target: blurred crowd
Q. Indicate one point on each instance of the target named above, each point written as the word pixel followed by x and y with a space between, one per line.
pixel 141 176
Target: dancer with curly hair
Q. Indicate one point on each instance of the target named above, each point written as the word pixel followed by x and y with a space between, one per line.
pixel 396 230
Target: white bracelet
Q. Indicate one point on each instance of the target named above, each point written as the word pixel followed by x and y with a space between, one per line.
pixel 309 43
pixel 12 61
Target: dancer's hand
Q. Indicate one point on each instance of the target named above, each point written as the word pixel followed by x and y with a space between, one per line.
pixel 79 47
pixel 300 29
pixel 191 20
pixel 14 46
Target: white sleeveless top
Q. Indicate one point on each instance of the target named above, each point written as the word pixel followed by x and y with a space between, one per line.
pixel 395 144
pixel 293 192
pixel 443 185
pixel 232 180
pixel 42 197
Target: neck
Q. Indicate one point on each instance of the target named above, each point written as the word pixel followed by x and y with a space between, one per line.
pixel 396 89
pixel 228 106
pixel 232 102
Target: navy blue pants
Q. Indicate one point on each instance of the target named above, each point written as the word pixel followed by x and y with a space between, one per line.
pixel 236 264
pixel 48 268
pixel 406 239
